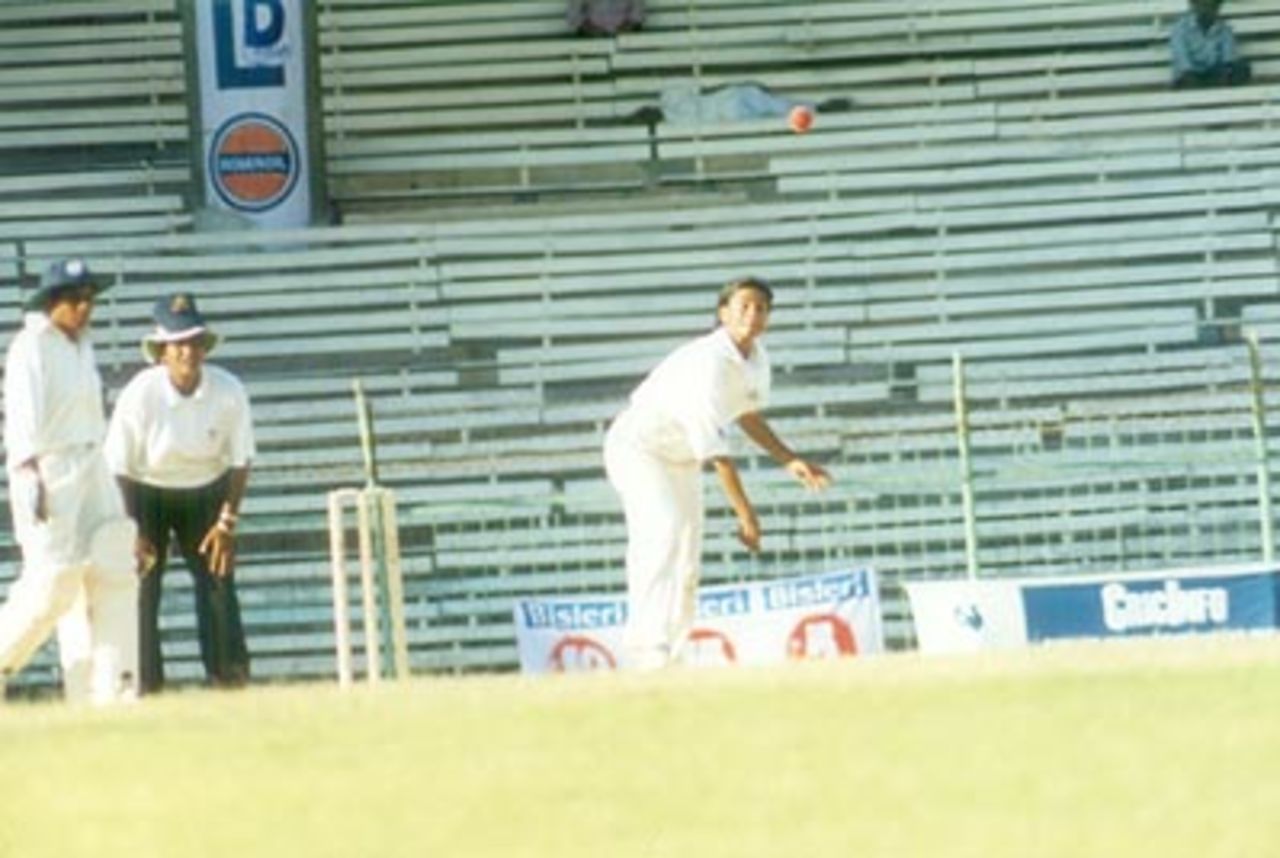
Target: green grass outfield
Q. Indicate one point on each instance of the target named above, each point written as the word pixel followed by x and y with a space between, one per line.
pixel 1143 749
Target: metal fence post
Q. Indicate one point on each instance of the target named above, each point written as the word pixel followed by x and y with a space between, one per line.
pixel 966 468
pixel 1260 446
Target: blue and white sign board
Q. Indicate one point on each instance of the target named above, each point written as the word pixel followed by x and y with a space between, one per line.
pixel 959 616
pixel 830 615
pixel 1165 605
pixel 253 109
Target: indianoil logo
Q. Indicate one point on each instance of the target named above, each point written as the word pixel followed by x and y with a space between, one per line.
pixel 253 162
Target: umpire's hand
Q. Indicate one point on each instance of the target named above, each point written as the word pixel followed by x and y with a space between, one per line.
pixel 219 547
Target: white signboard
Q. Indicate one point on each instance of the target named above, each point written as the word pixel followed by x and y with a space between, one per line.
pixel 253 109
pixel 962 616
pixel 830 615
pixel 966 616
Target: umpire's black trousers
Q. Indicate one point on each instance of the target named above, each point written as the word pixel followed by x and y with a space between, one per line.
pixel 187 515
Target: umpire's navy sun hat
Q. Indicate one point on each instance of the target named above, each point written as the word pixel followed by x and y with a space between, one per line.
pixel 61 276
pixel 177 320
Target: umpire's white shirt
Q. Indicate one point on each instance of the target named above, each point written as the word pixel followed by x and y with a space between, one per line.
pixel 52 393
pixel 159 437
pixel 682 411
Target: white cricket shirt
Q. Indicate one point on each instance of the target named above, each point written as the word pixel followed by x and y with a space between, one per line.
pixel 683 410
pixel 159 437
pixel 52 392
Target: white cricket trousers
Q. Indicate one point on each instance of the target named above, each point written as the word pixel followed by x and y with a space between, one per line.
pixel 78 573
pixel 662 504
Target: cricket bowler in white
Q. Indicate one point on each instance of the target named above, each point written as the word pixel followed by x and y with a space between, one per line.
pixel 676 422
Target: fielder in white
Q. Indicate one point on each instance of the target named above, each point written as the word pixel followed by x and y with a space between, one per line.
pixel 677 420
pixel 78 563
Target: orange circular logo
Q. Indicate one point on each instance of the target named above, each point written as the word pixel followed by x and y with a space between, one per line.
pixel 821 636
pixel 253 162
pixel 573 653
pixel 708 647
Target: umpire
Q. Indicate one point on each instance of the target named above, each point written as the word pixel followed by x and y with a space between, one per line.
pixel 180 443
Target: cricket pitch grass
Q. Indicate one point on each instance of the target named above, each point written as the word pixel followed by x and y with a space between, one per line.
pixel 1159 748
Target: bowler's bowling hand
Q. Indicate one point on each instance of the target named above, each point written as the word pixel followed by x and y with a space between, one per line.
pixel 219 546
pixel 813 475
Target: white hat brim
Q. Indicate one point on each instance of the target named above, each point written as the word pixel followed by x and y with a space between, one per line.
pixel 153 344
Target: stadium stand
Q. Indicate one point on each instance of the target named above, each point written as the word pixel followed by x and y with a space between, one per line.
pixel 469 100
pixel 1013 184
pixel 103 81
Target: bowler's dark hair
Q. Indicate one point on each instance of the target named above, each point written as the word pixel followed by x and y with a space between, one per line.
pixel 733 287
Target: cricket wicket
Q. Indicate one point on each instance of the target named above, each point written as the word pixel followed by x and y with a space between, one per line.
pixel 381 582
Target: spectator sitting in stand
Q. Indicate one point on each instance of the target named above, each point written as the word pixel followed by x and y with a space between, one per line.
pixel 684 103
pixel 604 17
pixel 1203 49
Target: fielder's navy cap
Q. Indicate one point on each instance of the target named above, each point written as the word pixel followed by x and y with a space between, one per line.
pixel 60 276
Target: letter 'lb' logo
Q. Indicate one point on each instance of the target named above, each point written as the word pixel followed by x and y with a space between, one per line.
pixel 253 162
pixel 262 26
